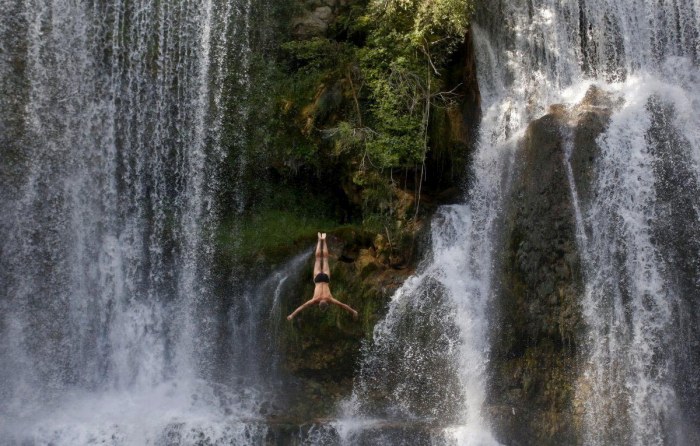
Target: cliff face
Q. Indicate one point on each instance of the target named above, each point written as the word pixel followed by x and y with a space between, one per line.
pixel 538 324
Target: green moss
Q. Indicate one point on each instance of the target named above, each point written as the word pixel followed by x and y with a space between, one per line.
pixel 358 102
pixel 270 235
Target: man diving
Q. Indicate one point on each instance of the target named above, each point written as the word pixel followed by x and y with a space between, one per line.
pixel 322 277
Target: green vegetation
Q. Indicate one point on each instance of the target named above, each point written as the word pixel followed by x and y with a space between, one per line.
pixel 284 223
pixel 345 119
pixel 271 234
pixel 407 46
pixel 360 99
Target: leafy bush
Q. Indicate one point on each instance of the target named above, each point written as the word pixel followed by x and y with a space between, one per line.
pixel 367 95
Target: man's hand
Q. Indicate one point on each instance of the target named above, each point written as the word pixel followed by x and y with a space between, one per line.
pixel 354 314
pixel 289 318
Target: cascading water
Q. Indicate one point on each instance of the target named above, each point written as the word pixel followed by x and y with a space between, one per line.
pixel 256 318
pixel 113 115
pixel 638 386
pixel 427 362
pixel 641 254
pixel 639 381
pixel 426 365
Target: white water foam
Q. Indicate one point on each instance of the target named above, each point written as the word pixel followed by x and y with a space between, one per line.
pixel 169 413
pixel 631 305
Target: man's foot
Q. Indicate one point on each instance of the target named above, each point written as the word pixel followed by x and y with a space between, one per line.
pixel 319 236
pixel 323 236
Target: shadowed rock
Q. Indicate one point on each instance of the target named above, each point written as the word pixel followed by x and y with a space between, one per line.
pixel 539 319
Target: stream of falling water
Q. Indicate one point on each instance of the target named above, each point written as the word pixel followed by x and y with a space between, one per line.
pixel 639 381
pixel 428 359
pixel 641 254
pixel 639 232
pixel 113 113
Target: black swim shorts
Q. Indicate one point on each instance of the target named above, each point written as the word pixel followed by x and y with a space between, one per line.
pixel 322 278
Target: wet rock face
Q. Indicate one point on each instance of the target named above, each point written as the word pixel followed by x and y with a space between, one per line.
pixel 591 118
pixel 540 286
pixel 454 128
pixel 534 351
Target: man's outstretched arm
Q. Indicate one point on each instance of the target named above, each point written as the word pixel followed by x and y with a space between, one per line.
pixel 301 307
pixel 345 307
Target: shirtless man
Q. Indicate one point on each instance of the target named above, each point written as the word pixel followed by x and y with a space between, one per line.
pixel 322 277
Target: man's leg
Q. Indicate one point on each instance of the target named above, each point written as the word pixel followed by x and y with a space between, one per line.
pixel 318 268
pixel 325 267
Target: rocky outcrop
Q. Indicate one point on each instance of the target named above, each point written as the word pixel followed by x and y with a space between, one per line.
pixel 539 321
pixel 315 17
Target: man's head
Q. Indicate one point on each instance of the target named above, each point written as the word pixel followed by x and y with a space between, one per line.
pixel 323 305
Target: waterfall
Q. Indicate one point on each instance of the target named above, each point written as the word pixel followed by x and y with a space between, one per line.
pixel 428 358
pixel 638 231
pixel 255 322
pixel 642 277
pixel 117 119
pixel 427 361
pixel 112 115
